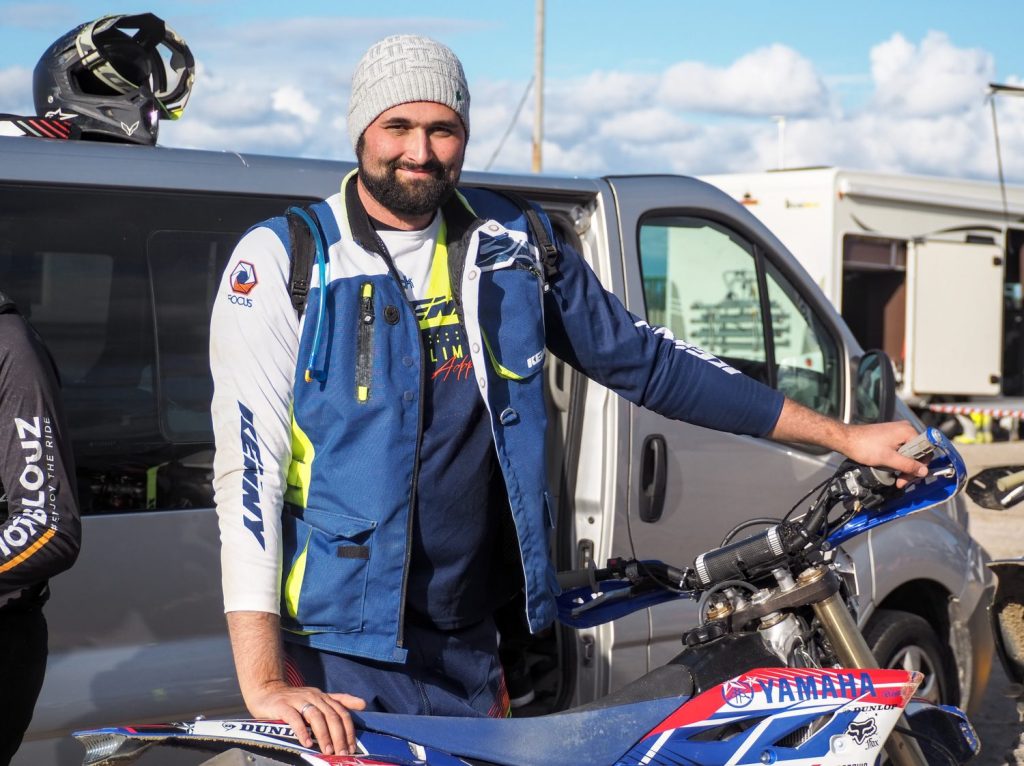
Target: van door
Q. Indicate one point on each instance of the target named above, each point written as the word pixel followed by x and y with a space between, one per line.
pixel 701 266
pixel 955 314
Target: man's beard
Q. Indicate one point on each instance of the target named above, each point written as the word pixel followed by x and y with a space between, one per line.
pixel 411 197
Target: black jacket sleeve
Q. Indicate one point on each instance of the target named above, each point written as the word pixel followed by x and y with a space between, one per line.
pixel 40 532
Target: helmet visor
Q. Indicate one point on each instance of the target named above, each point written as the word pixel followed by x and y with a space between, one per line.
pixel 127 53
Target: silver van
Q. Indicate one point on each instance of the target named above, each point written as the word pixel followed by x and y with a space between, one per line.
pixel 115 252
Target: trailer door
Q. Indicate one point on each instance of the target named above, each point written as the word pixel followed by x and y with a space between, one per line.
pixel 955 318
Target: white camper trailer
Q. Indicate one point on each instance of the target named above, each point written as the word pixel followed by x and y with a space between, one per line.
pixel 927 269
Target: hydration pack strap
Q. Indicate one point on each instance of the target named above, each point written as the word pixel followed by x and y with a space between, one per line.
pixel 301 256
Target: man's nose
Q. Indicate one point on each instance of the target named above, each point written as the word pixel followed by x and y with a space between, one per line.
pixel 417 147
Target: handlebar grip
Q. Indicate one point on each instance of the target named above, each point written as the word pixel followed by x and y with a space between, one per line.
pixel 919 448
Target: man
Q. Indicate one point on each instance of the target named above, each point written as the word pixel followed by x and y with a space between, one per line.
pixel 368 473
pixel 39 523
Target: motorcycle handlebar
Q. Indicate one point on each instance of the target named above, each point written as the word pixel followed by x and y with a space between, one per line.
pixel 629 569
pixel 758 553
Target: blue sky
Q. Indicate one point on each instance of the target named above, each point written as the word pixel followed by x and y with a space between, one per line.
pixel 650 86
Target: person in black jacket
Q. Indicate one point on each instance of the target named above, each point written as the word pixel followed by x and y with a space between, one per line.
pixel 40 529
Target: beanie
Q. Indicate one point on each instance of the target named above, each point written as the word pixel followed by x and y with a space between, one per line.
pixel 401 69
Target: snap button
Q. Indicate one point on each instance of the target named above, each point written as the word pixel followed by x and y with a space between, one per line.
pixel 493 227
pixel 483 382
pixel 391 314
pixel 407 361
pixel 508 416
pixel 476 348
pixel 408 396
pixel 472 274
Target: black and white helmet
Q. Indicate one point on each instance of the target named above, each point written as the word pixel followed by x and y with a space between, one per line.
pixel 116 78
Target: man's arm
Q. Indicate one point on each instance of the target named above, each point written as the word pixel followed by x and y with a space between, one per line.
pixel 874 445
pixel 42 532
pixel 254 340
pixel 590 329
pixel 259 662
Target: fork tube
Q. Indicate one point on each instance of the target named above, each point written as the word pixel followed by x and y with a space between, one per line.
pixel 854 652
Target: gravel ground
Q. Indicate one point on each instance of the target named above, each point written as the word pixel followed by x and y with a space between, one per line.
pixel 1002 534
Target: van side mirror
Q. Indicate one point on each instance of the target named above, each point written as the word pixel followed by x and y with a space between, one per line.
pixel 875 393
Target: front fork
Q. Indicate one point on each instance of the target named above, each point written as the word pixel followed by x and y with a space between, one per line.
pixel 853 651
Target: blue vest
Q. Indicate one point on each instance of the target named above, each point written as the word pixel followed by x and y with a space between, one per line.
pixel 356 427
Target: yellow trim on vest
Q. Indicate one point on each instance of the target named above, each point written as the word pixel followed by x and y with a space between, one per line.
pixel 439 286
pixel 504 372
pixel 293 583
pixel 343 224
pixel 300 467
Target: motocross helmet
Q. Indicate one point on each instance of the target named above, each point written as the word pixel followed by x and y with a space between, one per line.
pixel 116 78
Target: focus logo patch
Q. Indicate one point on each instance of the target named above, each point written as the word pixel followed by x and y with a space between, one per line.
pixel 243 278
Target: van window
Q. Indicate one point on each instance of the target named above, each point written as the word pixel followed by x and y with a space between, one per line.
pixel 711 287
pixel 120 284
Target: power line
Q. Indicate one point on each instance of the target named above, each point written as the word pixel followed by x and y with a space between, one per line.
pixel 995 89
pixel 512 124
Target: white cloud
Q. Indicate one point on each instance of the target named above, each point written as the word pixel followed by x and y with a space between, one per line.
pixel 930 79
pixel 651 125
pixel 771 80
pixel 16 90
pixel 292 101
pixel 658 129
pixel 270 92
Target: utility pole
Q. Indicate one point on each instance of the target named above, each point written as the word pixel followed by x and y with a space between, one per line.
pixel 538 84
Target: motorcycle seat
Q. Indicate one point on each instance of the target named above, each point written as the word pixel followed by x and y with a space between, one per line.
pixel 597 733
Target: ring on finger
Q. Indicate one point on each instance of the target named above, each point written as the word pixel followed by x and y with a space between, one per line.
pixel 304 708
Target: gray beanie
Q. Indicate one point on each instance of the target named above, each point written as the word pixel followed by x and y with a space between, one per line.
pixel 404 68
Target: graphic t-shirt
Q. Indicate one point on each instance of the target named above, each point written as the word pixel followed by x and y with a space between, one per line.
pixel 461 498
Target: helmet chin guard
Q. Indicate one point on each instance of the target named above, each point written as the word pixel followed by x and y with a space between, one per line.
pixel 116 78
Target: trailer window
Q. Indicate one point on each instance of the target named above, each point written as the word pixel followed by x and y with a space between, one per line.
pixel 120 285
pixel 711 287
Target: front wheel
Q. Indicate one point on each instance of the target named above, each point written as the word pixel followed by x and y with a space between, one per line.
pixel 905 641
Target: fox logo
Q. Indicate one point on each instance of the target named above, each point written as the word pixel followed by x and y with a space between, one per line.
pixel 862 730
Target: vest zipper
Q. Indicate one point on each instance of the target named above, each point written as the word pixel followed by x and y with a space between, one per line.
pixel 364 353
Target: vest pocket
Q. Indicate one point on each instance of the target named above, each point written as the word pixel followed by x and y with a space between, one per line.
pixel 512 318
pixel 326 560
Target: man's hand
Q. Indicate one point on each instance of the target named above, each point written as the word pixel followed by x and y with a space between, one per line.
pixel 878 444
pixel 304 708
pixel 875 445
pixel 259 661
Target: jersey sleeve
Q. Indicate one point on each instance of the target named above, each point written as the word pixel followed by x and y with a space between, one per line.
pixel 42 531
pixel 590 329
pixel 254 333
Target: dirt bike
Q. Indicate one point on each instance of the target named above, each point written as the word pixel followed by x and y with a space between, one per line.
pixel 776 671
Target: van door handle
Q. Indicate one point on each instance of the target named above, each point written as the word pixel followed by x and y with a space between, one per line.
pixel 653 467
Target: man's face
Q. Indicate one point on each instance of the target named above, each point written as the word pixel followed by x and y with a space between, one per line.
pixel 411 156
